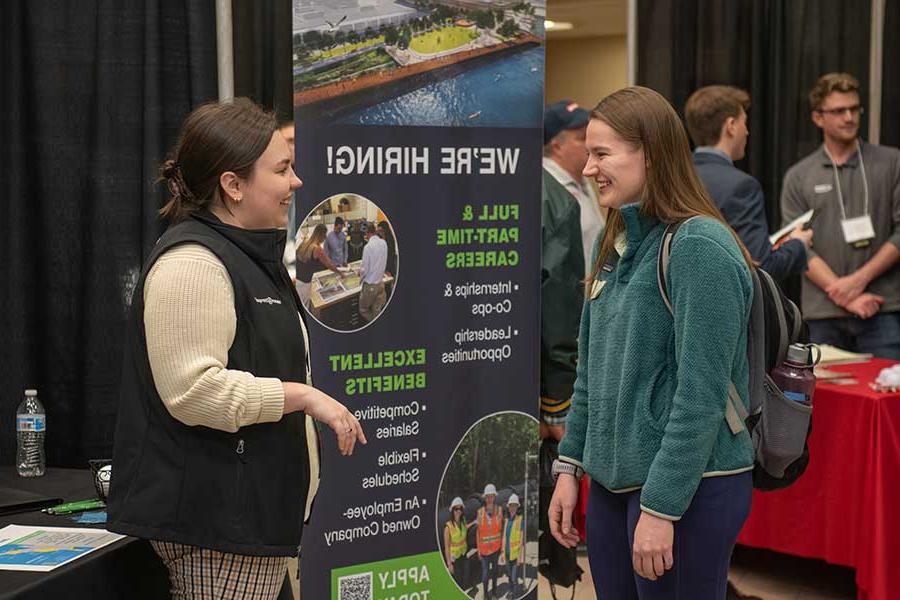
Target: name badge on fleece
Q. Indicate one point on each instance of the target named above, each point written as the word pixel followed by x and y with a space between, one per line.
pixel 858 230
pixel 823 188
pixel 596 288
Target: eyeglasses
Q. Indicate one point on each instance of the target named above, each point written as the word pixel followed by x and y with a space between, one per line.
pixel 856 109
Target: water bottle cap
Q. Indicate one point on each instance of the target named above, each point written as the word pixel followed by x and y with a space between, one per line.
pixel 798 353
pixel 30 393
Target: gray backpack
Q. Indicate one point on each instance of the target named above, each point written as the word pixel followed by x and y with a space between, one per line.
pixel 778 427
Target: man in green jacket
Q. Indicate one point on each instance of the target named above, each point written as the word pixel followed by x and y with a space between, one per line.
pixel 570 221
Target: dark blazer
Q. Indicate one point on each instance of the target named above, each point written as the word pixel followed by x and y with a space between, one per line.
pixel 740 199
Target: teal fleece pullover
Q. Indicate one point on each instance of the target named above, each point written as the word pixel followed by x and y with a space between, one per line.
pixel 648 410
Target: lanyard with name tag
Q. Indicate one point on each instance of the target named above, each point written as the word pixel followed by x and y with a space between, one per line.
pixel 858 231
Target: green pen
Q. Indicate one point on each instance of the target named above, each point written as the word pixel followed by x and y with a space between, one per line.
pixel 70 507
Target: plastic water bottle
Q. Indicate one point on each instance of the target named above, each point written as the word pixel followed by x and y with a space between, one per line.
pixel 31 427
pixel 795 376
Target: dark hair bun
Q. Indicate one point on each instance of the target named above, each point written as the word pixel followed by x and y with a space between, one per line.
pixel 170 169
pixel 171 172
pixel 215 138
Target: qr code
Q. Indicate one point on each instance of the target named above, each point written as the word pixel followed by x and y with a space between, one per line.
pixel 355 587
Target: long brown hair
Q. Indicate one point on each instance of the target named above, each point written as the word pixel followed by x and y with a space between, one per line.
pixel 309 244
pixel 672 190
pixel 215 138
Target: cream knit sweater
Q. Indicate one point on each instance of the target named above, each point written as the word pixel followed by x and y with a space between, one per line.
pixel 190 323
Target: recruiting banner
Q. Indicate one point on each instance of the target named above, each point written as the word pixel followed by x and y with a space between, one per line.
pixel 418 127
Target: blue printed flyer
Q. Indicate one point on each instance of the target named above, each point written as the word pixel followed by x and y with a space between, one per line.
pixel 45 548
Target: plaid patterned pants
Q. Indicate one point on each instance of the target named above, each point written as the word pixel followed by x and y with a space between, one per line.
pixel 203 574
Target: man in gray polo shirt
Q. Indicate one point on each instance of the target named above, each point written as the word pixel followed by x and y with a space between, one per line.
pixel 851 292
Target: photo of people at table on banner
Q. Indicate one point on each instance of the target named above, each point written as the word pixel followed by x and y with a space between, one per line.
pixel 346 262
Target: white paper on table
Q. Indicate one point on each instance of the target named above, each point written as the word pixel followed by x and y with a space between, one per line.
pixel 27 548
pixel 802 219
pixel 832 355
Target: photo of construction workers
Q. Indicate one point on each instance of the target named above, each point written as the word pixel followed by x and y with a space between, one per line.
pixel 487 531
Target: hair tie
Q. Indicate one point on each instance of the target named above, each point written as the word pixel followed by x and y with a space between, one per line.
pixel 175 180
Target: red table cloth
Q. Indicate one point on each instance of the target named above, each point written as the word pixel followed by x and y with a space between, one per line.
pixel 846 508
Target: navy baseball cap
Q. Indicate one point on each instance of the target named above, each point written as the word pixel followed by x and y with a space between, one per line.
pixel 562 115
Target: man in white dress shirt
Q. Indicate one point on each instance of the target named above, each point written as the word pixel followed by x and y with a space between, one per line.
pixel 372 298
pixel 565 125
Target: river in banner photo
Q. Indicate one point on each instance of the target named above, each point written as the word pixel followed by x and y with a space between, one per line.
pixel 507 92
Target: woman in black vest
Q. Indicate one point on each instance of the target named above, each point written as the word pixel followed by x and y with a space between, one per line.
pixel 215 457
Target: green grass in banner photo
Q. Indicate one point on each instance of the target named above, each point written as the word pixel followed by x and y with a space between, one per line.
pixel 416 577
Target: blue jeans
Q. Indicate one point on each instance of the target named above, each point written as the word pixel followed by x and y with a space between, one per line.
pixel 512 571
pixel 489 567
pixel 704 539
pixel 878 335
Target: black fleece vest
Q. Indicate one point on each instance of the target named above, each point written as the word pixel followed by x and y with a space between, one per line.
pixel 241 492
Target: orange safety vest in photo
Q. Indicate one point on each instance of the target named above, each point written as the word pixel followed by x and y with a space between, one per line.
pixel 489 531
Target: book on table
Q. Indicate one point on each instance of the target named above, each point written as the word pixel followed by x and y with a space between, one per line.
pixel 832 355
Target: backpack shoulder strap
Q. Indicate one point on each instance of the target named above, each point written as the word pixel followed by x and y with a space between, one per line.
pixel 663 256
pixel 775 295
pixel 735 411
pixel 756 344
pixel 798 322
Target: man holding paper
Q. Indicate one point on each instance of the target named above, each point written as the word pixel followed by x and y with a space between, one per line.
pixel 851 293
pixel 716 117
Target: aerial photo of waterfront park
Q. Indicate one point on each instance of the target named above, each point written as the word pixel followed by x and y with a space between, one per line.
pixel 470 63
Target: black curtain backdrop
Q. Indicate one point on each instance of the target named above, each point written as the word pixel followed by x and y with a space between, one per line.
pixel 774 49
pixel 93 94
pixel 890 91
pixel 262 54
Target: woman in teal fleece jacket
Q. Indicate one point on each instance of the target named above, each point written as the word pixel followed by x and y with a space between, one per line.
pixel 671 483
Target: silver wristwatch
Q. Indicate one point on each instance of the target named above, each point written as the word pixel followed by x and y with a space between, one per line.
pixel 561 466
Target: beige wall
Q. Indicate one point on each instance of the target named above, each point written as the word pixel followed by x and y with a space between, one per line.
pixel 586 69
